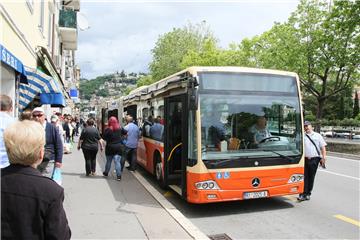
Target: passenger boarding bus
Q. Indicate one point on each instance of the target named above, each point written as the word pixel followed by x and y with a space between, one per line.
pixel 225 134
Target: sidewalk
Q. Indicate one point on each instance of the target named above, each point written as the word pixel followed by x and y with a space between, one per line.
pixel 103 208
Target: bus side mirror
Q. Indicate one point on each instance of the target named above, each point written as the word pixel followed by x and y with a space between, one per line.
pixel 193 99
pixel 193 93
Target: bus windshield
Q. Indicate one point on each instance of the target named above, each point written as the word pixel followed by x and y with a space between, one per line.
pixel 249 116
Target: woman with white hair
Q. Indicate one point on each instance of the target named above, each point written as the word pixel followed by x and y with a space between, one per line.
pixel 31 204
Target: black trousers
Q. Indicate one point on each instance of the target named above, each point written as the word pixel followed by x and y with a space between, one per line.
pixel 90 160
pixel 311 166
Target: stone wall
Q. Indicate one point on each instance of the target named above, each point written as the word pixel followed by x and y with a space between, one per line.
pixel 343 148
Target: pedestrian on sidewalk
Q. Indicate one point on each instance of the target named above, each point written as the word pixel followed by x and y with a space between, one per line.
pixel 26 115
pixel 315 154
pixel 66 127
pixel 6 119
pixel 53 146
pixel 55 121
pixel 31 205
pixel 114 150
pixel 131 142
pixel 89 142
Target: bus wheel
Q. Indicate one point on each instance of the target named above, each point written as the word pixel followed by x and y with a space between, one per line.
pixel 158 171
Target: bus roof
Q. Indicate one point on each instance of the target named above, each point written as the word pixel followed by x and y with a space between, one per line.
pixel 144 90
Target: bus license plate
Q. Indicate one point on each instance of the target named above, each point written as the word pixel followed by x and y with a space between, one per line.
pixel 252 195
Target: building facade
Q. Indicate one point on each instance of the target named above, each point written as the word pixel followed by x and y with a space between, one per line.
pixel 38 41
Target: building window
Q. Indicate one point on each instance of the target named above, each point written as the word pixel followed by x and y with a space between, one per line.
pixel 42 12
pixel 30 4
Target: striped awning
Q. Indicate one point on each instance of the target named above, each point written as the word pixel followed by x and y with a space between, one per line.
pixel 40 87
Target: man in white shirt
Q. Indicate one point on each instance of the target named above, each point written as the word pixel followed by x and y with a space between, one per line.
pixel 315 154
pixel 5 120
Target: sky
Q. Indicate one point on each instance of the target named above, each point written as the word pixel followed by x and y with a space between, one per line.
pixel 122 33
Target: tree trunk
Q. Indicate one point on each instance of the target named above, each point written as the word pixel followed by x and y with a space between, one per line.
pixel 319 112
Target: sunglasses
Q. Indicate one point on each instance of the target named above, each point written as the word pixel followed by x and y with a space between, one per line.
pixel 38 115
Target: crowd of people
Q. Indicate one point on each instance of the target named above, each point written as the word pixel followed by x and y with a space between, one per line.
pixel 32 148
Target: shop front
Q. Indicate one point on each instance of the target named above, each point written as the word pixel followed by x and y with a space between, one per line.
pixel 12 74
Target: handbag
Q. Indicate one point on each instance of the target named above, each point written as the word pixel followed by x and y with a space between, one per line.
pixel 56 175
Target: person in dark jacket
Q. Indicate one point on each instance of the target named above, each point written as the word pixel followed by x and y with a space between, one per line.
pixel 53 146
pixel 115 147
pixel 89 142
pixel 31 204
pixel 66 127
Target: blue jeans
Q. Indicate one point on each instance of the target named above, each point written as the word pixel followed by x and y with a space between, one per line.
pixel 117 160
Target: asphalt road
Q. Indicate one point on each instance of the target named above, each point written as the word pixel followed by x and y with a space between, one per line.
pixel 332 213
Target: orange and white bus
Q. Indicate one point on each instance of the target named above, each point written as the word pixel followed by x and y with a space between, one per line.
pixel 211 148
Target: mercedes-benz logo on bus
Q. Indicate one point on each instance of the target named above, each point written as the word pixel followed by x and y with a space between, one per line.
pixel 255 182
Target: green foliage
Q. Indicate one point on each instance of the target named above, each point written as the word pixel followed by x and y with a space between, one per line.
pixel 171 48
pixel 128 90
pixel 320 43
pixel 122 74
pixel 339 106
pixel 103 92
pixel 310 117
pixel 349 122
pixel 144 80
pixel 357 118
pixel 87 88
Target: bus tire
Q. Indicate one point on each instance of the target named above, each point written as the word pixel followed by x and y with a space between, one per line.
pixel 158 171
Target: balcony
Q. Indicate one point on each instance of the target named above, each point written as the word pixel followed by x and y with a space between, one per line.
pixel 68 29
pixel 72 4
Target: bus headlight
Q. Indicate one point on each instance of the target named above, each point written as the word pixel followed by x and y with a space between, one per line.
pixel 296 178
pixel 206 185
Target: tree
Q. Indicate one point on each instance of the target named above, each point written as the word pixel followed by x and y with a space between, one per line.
pixel 356 105
pixel 171 48
pixel 320 43
pixel 122 74
pixel 330 38
pixel 340 106
pixel 208 55
pixel 144 80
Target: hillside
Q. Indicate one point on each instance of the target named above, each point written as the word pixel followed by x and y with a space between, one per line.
pixel 108 85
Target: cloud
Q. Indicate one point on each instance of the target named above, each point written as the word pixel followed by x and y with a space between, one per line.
pixel 122 34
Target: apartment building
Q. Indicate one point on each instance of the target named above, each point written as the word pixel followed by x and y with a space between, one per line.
pixel 38 41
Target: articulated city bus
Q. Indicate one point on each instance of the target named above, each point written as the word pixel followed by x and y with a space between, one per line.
pixel 228 133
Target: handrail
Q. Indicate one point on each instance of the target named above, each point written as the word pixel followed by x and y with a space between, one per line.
pixel 173 150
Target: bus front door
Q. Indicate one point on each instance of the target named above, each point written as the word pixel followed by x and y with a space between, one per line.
pixel 175 143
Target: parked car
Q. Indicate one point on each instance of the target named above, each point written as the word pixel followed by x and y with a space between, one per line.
pixel 356 137
pixel 330 134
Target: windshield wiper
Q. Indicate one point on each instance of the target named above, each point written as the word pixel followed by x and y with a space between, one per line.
pixel 291 159
pixel 217 162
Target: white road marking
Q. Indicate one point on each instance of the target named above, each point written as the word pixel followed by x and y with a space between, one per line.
pixel 339 174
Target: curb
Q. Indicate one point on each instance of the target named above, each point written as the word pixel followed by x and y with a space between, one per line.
pixel 185 223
